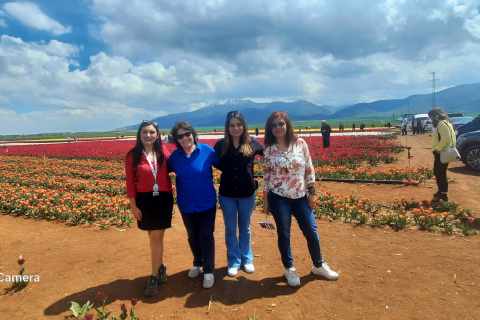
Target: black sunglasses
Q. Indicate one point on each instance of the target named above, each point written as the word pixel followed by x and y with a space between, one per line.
pixel 279 124
pixel 233 113
pixel 148 121
pixel 186 134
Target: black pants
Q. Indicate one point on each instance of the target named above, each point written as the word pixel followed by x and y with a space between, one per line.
pixel 404 131
pixel 326 141
pixel 200 228
pixel 440 172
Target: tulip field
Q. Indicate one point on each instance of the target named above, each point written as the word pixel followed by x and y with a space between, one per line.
pixel 84 182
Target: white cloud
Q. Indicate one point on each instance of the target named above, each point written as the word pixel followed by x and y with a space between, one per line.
pixel 3 23
pixel 473 26
pixel 30 14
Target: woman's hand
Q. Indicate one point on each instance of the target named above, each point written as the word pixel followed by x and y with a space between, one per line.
pixel 311 200
pixel 266 207
pixel 137 214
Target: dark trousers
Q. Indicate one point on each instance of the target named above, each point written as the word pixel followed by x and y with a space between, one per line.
pixel 282 211
pixel 200 228
pixel 404 131
pixel 440 172
pixel 326 141
pixel 414 130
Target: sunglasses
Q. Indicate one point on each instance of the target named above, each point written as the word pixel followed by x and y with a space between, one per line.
pixel 233 113
pixel 148 121
pixel 279 124
pixel 186 134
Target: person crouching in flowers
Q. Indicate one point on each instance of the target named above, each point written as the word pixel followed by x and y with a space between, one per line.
pixel 288 176
pixel 196 197
pixel 149 190
pixel 237 190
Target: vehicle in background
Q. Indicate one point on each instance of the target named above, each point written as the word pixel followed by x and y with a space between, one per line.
pixel 468 145
pixel 473 125
pixel 455 115
pixel 460 121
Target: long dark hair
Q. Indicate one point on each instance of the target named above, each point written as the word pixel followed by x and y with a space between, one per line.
pixel 245 140
pixel 136 151
pixel 437 115
pixel 185 126
pixel 290 136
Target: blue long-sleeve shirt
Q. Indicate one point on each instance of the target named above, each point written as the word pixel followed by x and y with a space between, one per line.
pixel 195 190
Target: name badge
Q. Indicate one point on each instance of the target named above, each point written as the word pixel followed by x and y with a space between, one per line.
pixel 155 189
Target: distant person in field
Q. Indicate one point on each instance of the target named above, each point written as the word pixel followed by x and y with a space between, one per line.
pixel 443 137
pixel 68 138
pixel 5 148
pixel 289 187
pixel 149 190
pixel 389 124
pixel 326 130
pixel 117 136
pixel 196 196
pixel 424 123
pixel 404 126
pixel 75 139
pixel 373 125
pixel 414 126
pixel 353 127
pixel 236 194
pixel 362 126
pixel 256 131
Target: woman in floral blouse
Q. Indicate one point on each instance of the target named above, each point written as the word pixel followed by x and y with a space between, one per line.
pixel 288 176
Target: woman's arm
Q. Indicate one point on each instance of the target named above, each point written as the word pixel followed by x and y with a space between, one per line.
pixel 135 210
pixel 309 175
pixel 267 169
pixel 445 135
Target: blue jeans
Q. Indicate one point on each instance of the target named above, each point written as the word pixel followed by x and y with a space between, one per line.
pixel 239 250
pixel 200 228
pixel 282 210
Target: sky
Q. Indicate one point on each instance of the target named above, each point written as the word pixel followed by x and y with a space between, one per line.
pixel 94 65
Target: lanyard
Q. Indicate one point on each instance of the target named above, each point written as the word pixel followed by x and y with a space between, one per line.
pixel 154 171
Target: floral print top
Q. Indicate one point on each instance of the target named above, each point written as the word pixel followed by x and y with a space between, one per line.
pixel 288 173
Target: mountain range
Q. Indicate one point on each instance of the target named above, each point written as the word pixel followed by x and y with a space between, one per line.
pixel 463 98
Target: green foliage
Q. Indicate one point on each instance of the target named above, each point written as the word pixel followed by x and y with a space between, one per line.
pixel 80 310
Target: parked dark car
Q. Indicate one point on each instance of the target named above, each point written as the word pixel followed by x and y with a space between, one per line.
pixel 468 145
pixel 460 121
pixel 473 125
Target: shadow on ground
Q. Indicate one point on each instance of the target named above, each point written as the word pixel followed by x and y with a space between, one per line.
pixel 226 290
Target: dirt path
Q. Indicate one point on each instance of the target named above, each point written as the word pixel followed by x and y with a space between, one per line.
pixel 383 273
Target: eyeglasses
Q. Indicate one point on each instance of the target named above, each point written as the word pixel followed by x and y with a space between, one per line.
pixel 279 124
pixel 233 113
pixel 186 134
pixel 238 125
pixel 148 121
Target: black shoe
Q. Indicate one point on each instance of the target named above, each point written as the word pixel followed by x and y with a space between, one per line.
pixel 152 286
pixel 440 196
pixel 162 274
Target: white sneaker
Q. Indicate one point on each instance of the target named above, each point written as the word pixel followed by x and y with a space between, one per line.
pixel 249 268
pixel 325 272
pixel 232 272
pixel 208 280
pixel 292 277
pixel 195 271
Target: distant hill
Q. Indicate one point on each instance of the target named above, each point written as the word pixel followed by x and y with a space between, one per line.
pixel 463 98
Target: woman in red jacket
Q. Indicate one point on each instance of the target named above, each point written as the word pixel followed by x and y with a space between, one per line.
pixel 149 190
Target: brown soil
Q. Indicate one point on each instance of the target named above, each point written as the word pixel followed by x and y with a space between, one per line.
pixel 383 273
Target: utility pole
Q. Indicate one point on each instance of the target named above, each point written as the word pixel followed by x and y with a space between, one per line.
pixel 433 88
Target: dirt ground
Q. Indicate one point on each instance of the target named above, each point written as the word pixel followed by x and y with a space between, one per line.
pixel 382 273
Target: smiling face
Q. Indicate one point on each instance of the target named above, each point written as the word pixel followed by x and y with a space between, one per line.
pixel 185 142
pixel 281 130
pixel 148 135
pixel 235 128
